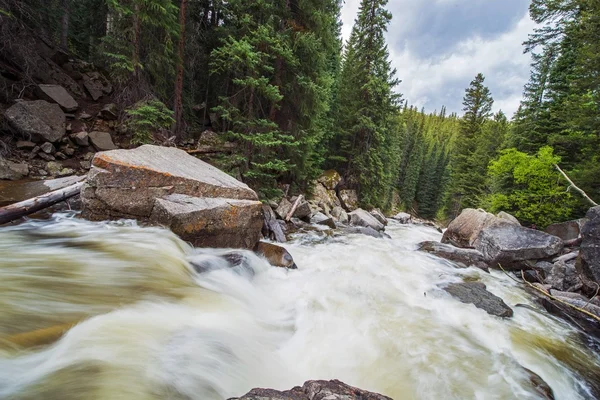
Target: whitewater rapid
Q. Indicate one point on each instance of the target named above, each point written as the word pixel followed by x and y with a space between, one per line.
pixel 367 311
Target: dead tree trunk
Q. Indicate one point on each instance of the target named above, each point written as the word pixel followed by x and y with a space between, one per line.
pixel 26 207
pixel 584 194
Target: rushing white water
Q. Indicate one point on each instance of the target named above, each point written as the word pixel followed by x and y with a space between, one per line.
pixel 366 311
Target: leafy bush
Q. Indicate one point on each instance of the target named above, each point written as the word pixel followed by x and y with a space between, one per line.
pixel 146 118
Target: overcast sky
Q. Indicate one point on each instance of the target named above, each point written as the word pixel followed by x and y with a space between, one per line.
pixel 438 46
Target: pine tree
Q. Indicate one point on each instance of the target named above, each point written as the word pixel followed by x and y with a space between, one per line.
pixel 367 107
pixel 469 168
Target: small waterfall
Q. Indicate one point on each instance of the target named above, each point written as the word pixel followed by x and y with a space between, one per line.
pixel 154 318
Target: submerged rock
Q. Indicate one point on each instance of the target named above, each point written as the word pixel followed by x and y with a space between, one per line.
pixel 275 255
pixel 476 293
pixel 464 257
pixel 314 390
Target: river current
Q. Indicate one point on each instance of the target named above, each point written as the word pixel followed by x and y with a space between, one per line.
pixel 367 311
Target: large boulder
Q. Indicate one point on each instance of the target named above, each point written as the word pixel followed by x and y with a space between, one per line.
pixel 314 390
pixel 463 257
pixel 275 255
pixel 325 198
pixel 563 276
pixel 13 171
pixel 376 212
pixel 361 217
pixel 566 230
pixel 589 253
pixel 340 214
pixel 464 229
pixel 403 218
pixel 508 217
pixel 39 120
pixel 330 179
pixel 477 294
pixel 508 244
pixel 59 95
pixel 102 141
pixel 167 186
pixel 322 219
pixel 349 199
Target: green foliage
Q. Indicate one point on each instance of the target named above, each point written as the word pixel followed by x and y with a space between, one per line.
pixel 147 118
pixel 529 187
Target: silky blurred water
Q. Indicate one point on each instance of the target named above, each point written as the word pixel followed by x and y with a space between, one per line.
pixel 367 311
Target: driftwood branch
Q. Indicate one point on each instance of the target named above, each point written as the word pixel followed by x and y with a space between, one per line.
pixel 584 194
pixel 26 207
pixel 293 210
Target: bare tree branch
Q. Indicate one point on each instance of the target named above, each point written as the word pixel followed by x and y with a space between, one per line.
pixel 584 194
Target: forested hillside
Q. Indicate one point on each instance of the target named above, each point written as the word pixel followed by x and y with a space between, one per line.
pixel 273 78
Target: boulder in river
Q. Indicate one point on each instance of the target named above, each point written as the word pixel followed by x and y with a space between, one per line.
pixel 463 257
pixel 314 390
pixel 275 255
pixel 376 212
pixel 167 186
pixel 589 253
pixel 464 229
pixel 403 218
pixel 340 214
pixel 39 120
pixel 322 219
pixel 477 294
pixel 361 217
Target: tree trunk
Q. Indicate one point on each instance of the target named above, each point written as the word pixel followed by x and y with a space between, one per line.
pixel 64 34
pixel 178 105
pixel 26 207
pixel 137 29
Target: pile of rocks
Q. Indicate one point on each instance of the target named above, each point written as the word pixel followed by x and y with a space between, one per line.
pixel 314 390
pixel 329 207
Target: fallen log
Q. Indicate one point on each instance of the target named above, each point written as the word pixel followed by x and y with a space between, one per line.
pixel 26 207
pixel 293 210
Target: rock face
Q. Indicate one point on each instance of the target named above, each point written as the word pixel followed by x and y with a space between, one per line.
pixel 463 257
pixel 59 95
pixel 507 243
pixel 477 294
pixel 566 230
pixel 589 253
pixel 167 186
pixel 314 390
pixel 39 120
pixel 363 218
pixel 349 199
pixel 463 230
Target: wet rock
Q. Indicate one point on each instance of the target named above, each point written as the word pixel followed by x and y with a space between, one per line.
pixel 563 276
pixel 403 218
pixel 109 112
pixel 376 212
pixel 275 255
pixel 25 144
pixel 59 95
pixel 340 214
pixel 271 227
pixel 463 257
pixel 363 218
pixel 330 179
pixel 13 171
pixel 475 293
pixel 102 141
pixel 38 120
pixel 81 138
pixel 589 257
pixel 539 385
pixel 361 230
pixel 566 230
pixel 464 229
pixel 48 148
pixel 322 219
pixel 557 293
pixel 144 183
pixel 508 217
pixel 210 222
pixel 314 390
pixel 349 199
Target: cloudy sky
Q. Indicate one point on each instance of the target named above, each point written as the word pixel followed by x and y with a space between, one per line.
pixel 438 46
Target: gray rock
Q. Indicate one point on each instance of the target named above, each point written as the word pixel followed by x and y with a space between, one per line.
pixel 271 227
pixel 13 171
pixel 545 267
pixel 563 276
pixel 102 141
pixel 303 210
pixel 85 116
pixel 210 222
pixel 577 296
pixel 330 179
pixel 565 230
pixel 589 256
pixel 25 144
pixel 38 120
pixel 48 148
pixel 340 214
pixel 464 229
pixel 54 168
pixel 476 293
pixel 509 244
pixel 403 218
pixel 324 197
pixel 109 112
pixel 47 157
pixel 314 390
pixel 81 138
pixel 376 212
pixel 361 217
pixel 348 199
pixel 69 151
pixel 59 95
pixel 567 257
pixel 463 257
pixel 275 255
pixel 322 219
pixel 508 217
pixel 284 208
pixel 60 156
